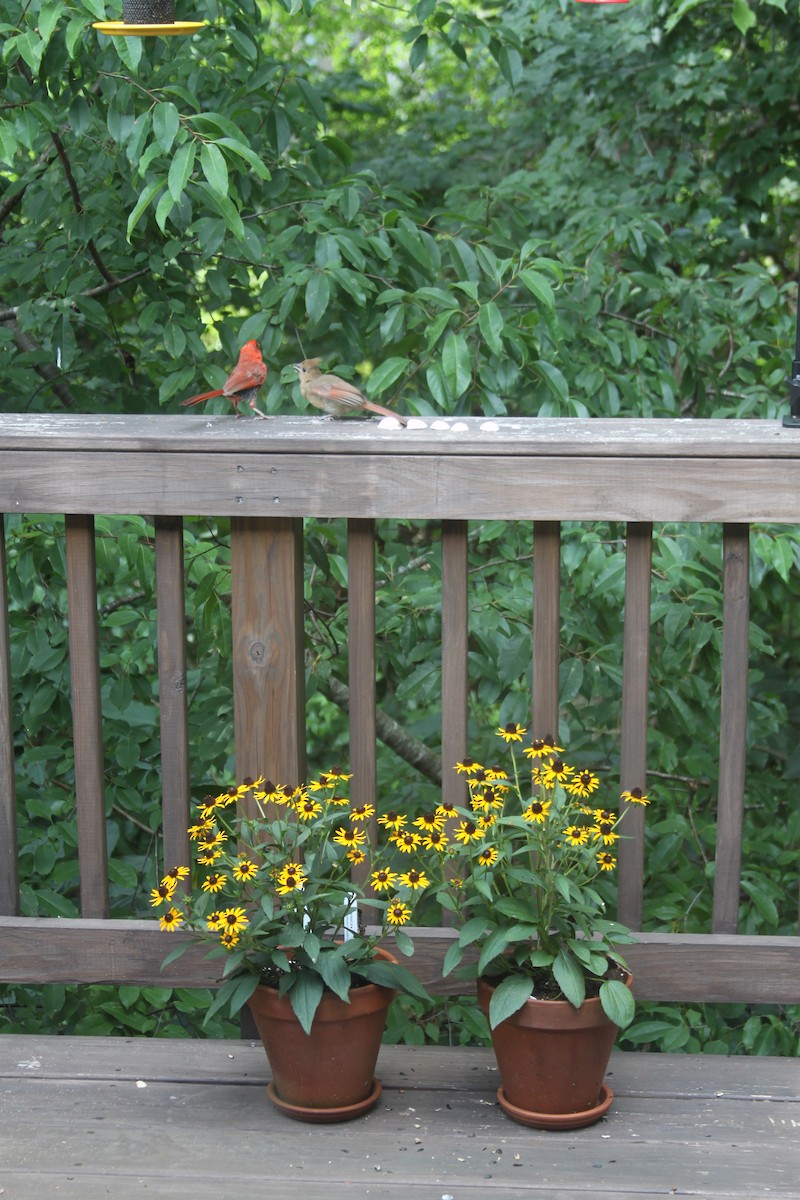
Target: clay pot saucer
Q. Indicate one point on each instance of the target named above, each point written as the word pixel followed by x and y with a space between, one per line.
pixel 325 1116
pixel 573 1120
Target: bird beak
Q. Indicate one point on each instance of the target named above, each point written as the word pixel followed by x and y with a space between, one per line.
pixel 298 367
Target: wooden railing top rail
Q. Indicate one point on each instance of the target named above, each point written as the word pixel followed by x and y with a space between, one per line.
pixel 551 469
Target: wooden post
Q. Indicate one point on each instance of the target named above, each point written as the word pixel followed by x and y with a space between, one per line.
pixel 268 666
pixel 546 627
pixel 84 660
pixel 633 758
pixel 455 633
pixel 361 671
pixel 175 782
pixel 9 868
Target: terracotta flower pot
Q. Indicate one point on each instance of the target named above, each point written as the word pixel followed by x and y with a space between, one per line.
pixel 552 1059
pixel 329 1074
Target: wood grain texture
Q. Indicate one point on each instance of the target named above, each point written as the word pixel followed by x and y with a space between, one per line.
pixel 546 628
pixel 691 967
pixel 633 742
pixel 9 871
pixel 455 636
pixel 130 1117
pixel 175 780
pixel 443 487
pixel 733 727
pixel 361 678
pixel 268 669
pixel 84 659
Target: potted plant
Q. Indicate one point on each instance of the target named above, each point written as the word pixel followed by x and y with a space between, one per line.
pixel 523 870
pixel 271 891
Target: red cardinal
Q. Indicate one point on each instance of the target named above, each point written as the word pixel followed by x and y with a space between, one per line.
pixel 333 395
pixel 243 383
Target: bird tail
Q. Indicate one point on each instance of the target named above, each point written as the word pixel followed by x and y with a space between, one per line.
pixel 384 412
pixel 203 396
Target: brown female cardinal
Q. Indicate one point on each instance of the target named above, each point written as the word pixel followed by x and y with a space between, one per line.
pixel 333 395
pixel 243 383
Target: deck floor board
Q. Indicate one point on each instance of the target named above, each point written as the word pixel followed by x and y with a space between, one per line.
pixel 85 1118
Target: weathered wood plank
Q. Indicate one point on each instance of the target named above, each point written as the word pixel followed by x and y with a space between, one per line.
pixel 361 677
pixel 444 487
pixel 546 628
pixel 455 634
pixel 9 869
pixel 84 660
pixel 633 745
pixel 733 727
pixel 613 436
pixel 175 778
pixel 268 668
pixel 101 1131
pixel 691 967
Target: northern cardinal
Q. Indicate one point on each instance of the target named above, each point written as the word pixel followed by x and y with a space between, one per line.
pixel 333 395
pixel 243 383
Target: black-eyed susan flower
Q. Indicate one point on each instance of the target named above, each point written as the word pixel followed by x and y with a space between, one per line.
pixel 604 832
pixel 537 811
pixel 162 893
pixel 229 938
pixel 174 875
pixel 213 839
pixel 393 821
pixel 583 783
pixel 467 831
pixel 245 870
pixel 468 766
pixel 349 837
pixel 607 861
pixel 436 840
pixel 356 856
pixel 488 856
pixel 383 879
pixel 428 821
pixel 511 732
pixel 207 857
pixel 213 920
pixel 446 810
pixel 576 835
pixel 233 920
pixel 604 814
pixel 557 771
pixel 362 812
pixel 171 919
pixel 307 808
pixel 200 829
pixel 542 748
pixel 290 878
pixel 406 841
pixel 414 879
pixel 273 793
pixel 398 913
pixel 635 796
pixel 215 882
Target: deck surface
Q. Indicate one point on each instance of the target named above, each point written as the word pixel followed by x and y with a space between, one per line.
pixel 85 1118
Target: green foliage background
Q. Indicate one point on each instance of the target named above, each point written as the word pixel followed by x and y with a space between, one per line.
pixel 524 207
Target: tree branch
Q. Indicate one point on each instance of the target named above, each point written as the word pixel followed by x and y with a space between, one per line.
pixel 51 375
pixel 76 200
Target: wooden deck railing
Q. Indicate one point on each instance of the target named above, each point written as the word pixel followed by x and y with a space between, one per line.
pixel 267 477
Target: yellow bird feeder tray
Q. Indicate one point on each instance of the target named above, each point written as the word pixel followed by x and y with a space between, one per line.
pixel 148 18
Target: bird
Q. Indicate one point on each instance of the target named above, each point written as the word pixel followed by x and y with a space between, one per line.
pixel 333 395
pixel 243 383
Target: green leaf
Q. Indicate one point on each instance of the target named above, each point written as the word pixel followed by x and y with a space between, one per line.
pixel 335 973
pixel 225 208
pixel 743 16
pixel 509 997
pixel 452 958
pixel 473 929
pixel 540 288
pixel 569 977
pixel 404 943
pixel 96 7
pixel 166 122
pixel 509 61
pixel 48 18
pixel 490 323
pixel 419 52
pixel 248 154
pixel 385 375
pixel 146 197
pixel 617 1001
pixel 180 169
pixel 457 364
pixel 214 167
pixel 318 293
pixel 305 995
pixel 163 209
pixel 493 947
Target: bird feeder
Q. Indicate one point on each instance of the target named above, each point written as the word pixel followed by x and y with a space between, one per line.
pixel 148 18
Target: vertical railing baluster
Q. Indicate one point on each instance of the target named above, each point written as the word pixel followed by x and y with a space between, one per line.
pixel 170 610
pixel 733 725
pixel 361 669
pixel 633 751
pixel 455 632
pixel 9 867
pixel 546 627
pixel 268 648
pixel 84 661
